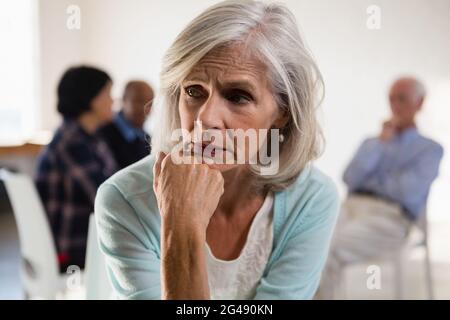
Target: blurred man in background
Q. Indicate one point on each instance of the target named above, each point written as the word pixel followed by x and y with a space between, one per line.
pixel 388 182
pixel 125 135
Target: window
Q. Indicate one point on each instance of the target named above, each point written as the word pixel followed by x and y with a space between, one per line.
pixel 18 71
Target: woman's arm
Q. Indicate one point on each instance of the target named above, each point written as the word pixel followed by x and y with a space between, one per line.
pixel 183 267
pixel 187 197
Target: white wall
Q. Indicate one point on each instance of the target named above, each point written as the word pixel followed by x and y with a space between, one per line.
pixel 59 49
pixel 128 38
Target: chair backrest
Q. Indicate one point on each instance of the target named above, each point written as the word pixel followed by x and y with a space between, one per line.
pixel 96 279
pixel 40 273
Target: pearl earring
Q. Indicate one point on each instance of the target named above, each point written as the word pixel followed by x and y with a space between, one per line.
pixel 281 138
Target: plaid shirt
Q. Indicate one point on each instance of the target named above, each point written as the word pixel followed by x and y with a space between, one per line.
pixel 69 171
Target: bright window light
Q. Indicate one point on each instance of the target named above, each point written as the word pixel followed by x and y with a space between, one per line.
pixel 18 61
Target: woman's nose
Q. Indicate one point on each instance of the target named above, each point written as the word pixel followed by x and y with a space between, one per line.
pixel 211 113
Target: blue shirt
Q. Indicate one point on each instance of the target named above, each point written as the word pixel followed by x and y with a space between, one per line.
pixel 400 170
pixel 129 132
pixel 129 224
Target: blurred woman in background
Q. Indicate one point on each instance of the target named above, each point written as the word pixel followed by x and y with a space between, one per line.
pixel 75 163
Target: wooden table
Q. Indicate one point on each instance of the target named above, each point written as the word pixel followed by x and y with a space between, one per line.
pixel 21 157
pixel 26 150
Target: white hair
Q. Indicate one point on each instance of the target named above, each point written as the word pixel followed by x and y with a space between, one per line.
pixel 419 88
pixel 270 32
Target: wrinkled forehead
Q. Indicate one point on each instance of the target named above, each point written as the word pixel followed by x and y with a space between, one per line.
pixel 232 61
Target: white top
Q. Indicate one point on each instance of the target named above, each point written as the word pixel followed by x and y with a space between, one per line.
pixel 239 278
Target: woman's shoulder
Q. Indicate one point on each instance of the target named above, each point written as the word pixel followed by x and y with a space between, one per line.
pixel 127 198
pixel 126 205
pixel 135 179
pixel 131 188
pixel 311 182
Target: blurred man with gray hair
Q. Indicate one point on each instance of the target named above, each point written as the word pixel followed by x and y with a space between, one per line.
pixel 388 183
pixel 125 135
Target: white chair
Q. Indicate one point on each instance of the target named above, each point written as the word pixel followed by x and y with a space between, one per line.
pixel 97 283
pixel 39 271
pixel 403 254
pixel 419 230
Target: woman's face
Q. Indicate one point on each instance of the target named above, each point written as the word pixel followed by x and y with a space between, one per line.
pixel 228 89
pixel 102 105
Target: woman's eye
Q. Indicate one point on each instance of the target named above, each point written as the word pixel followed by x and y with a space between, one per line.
pixel 193 92
pixel 239 97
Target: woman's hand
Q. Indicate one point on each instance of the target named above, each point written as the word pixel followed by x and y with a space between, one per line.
pixel 187 194
pixel 187 197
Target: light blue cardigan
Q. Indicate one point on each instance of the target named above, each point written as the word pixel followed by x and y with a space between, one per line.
pixel 129 223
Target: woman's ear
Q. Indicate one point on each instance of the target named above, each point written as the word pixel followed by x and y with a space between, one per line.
pixel 282 119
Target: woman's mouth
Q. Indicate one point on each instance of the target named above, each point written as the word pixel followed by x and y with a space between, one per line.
pixel 208 150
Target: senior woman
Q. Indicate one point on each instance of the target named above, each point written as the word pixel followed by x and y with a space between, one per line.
pixel 207 230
